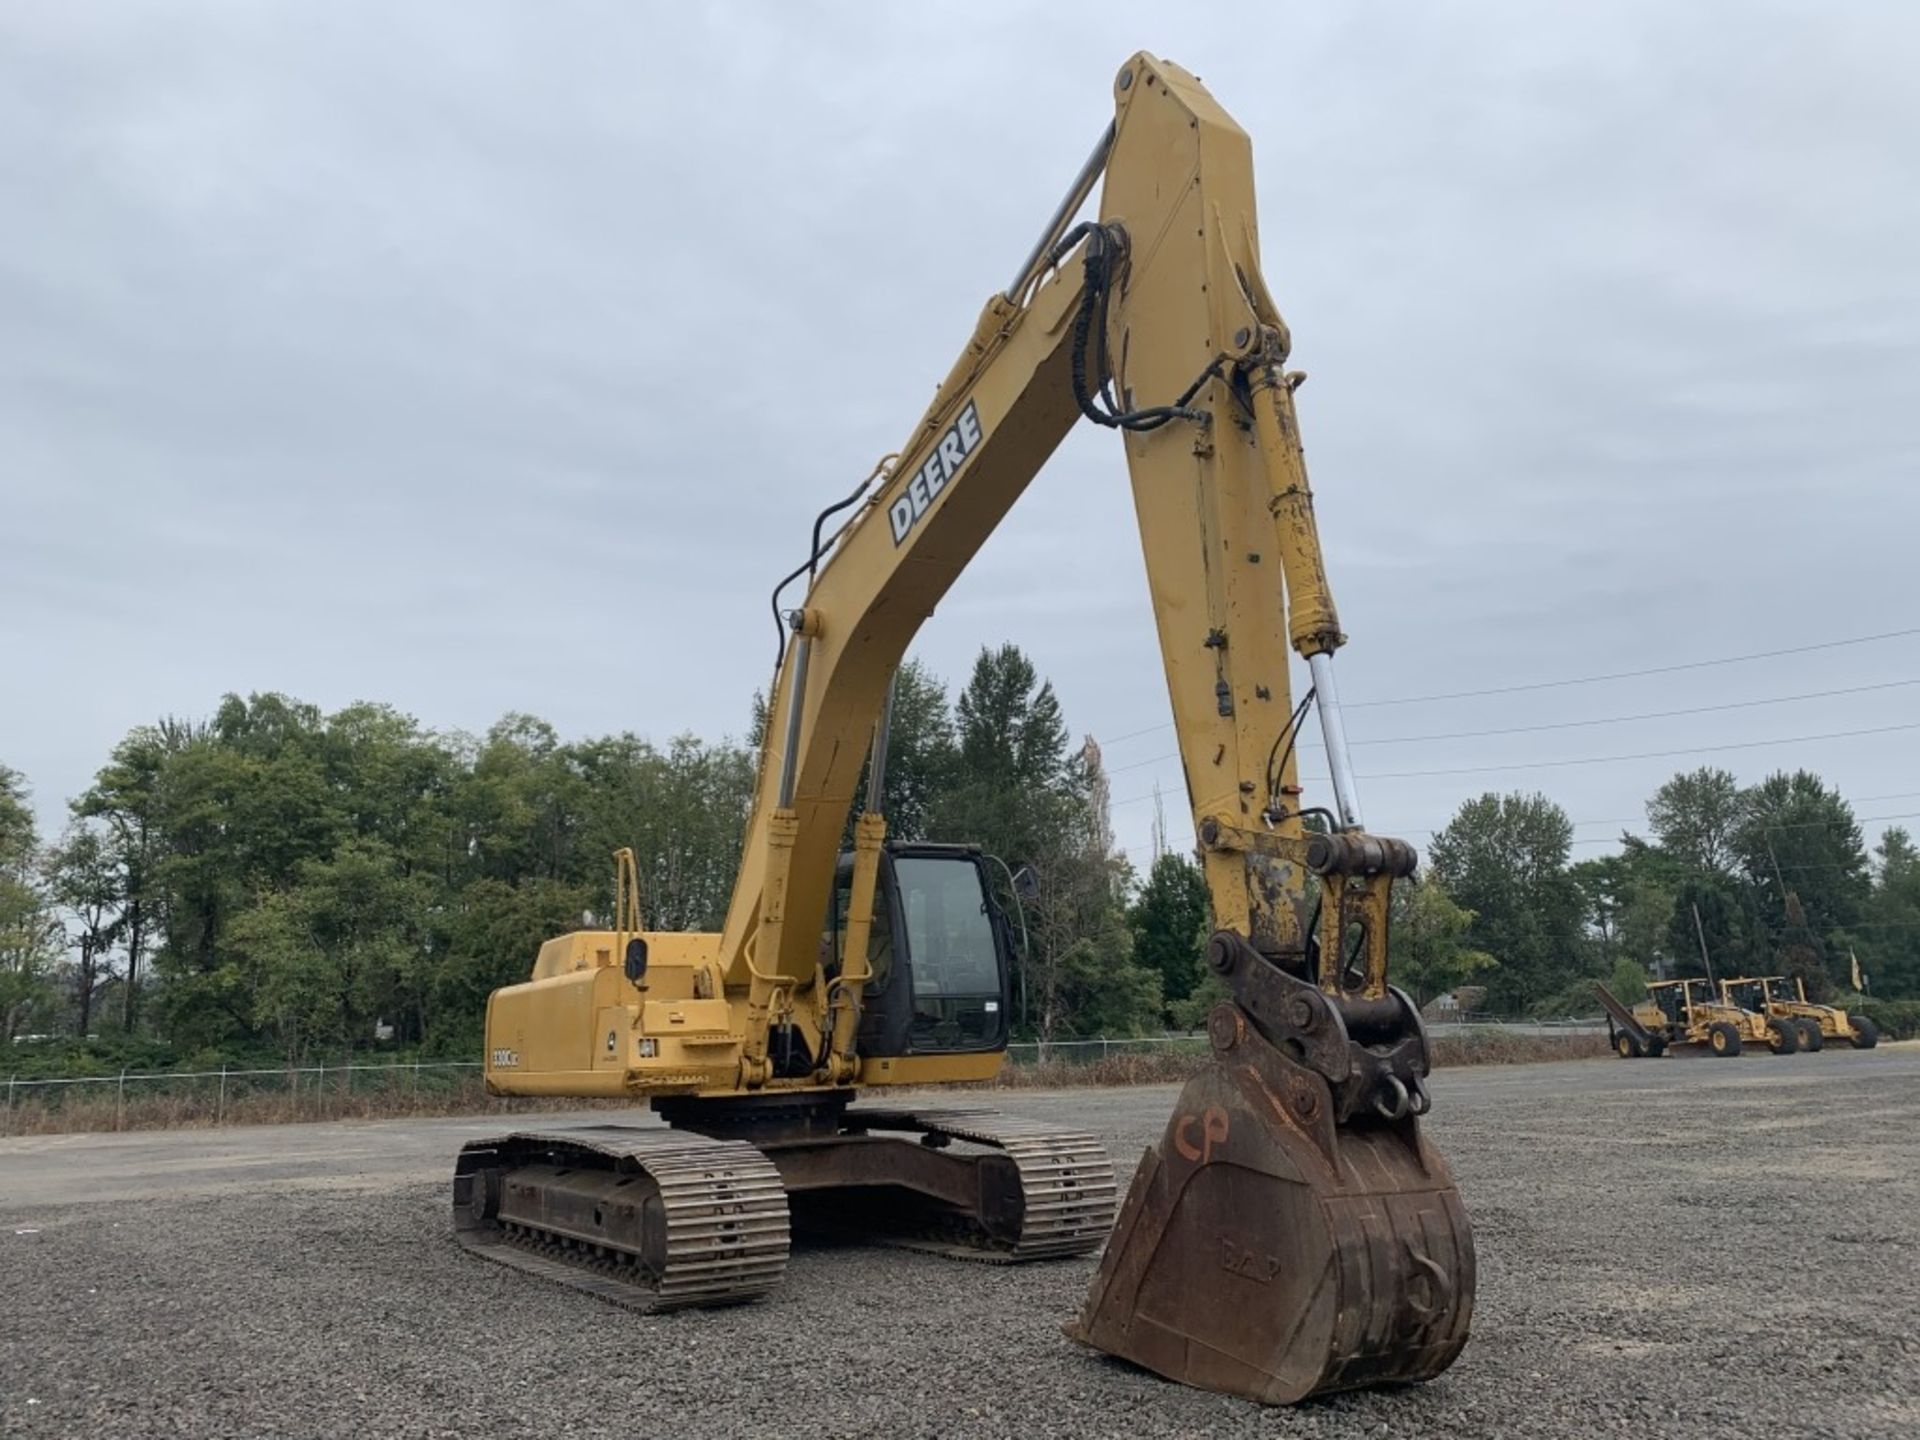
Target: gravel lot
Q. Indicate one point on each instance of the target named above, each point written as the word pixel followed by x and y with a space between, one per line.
pixel 1678 1247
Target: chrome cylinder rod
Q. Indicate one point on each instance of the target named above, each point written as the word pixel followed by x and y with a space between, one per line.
pixel 1346 795
pixel 796 698
pixel 1075 198
pixel 877 771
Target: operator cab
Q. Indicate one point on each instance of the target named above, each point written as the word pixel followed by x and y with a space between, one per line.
pixel 939 951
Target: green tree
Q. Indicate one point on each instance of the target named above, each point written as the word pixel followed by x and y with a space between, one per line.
pixel 683 812
pixel 1628 980
pixel 1696 817
pixel 489 937
pixel 1011 789
pixel 1009 721
pixel 85 881
pixel 330 952
pixel 1714 913
pixel 1627 904
pixel 522 803
pixel 1888 942
pixel 393 781
pixel 1081 976
pixel 1802 853
pixel 30 932
pixel 1504 858
pixel 280 875
pixel 1429 951
pixel 126 799
pixel 920 753
pixel 245 801
pixel 1170 920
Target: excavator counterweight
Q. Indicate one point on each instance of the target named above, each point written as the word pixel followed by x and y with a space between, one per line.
pixel 1293 1232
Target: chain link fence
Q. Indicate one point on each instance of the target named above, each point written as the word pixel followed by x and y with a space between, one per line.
pixel 1092 1051
pixel 315 1091
pixel 231 1095
pixel 143 1099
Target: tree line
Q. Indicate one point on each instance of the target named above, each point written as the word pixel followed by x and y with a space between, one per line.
pixel 274 878
pixel 277 879
pixel 1770 878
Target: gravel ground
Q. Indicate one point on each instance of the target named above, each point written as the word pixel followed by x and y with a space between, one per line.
pixel 1673 1248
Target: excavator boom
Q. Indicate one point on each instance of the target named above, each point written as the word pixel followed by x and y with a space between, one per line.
pixel 1293 1232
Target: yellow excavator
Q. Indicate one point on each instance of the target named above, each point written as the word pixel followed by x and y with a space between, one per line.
pixel 1293 1232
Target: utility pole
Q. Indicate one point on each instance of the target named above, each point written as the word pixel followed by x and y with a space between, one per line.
pixel 1776 866
pixel 1700 930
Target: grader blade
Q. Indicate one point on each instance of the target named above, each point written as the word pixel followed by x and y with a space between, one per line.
pixel 1289 1237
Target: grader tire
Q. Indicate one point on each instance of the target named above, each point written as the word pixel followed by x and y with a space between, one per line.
pixel 1866 1034
pixel 1626 1046
pixel 1656 1046
pixel 1811 1040
pixel 1783 1037
pixel 1723 1039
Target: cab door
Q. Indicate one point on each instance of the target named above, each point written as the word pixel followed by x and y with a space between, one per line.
pixel 938 952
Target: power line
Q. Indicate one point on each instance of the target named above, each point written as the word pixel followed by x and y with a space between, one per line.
pixel 1572 724
pixel 1636 820
pixel 1612 759
pixel 1590 679
pixel 1642 754
pixel 1641 819
pixel 1637 674
pixel 1646 715
pixel 1404 831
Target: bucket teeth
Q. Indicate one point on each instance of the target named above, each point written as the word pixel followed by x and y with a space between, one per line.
pixel 1264 1253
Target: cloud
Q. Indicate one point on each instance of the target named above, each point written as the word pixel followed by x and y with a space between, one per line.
pixel 482 357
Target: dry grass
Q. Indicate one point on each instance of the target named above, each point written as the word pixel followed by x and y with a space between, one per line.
pixel 1139 1067
pixel 200 1104
pixel 1503 1047
pixel 1174 1064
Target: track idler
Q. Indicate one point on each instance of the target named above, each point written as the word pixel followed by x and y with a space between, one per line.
pixel 1292 1233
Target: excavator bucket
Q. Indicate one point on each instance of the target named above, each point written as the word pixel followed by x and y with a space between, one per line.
pixel 1288 1237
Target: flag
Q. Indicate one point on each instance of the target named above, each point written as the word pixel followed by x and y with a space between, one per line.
pixel 1859 980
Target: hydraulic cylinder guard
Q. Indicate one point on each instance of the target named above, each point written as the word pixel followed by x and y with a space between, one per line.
pixel 1265 1253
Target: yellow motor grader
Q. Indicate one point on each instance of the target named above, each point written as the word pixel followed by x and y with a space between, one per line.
pixel 1680 1013
pixel 1783 997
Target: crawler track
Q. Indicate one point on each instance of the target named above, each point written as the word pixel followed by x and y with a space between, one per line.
pixel 648 1218
pixel 1067 1186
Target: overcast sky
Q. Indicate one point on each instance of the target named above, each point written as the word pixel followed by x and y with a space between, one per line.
pixel 487 357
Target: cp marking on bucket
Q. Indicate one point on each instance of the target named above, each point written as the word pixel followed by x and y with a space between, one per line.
pixel 1212 1128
